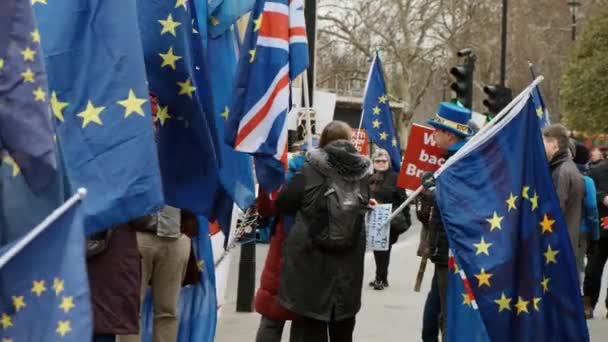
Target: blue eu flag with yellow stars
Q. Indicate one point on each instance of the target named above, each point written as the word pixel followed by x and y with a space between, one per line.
pixel 44 290
pixel 377 115
pixel 541 110
pixel 176 70
pixel 100 105
pixel 509 238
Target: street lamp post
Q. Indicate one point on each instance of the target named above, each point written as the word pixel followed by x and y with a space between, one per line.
pixel 574 5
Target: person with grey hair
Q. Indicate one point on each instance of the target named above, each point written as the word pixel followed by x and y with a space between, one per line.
pixel 383 187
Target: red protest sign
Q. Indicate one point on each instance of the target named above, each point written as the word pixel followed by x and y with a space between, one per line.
pixel 420 156
pixel 360 141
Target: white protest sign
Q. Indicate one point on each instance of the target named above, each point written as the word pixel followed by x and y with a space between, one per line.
pixel 377 231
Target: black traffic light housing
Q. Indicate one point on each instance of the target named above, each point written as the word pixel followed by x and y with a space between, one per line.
pixel 498 97
pixel 463 78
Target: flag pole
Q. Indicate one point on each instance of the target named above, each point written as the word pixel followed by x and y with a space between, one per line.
pixel 307 109
pixel 20 244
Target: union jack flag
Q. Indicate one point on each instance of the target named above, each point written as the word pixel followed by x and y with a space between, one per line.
pixel 275 51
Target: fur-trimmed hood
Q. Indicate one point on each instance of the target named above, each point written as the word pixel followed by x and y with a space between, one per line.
pixel 340 158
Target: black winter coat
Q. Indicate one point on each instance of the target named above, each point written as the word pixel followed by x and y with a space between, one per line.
pixel 599 174
pixel 315 283
pixel 384 189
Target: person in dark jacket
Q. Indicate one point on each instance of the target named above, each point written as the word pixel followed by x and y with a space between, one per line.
pixel 321 285
pixel 383 186
pixel 451 130
pixel 599 251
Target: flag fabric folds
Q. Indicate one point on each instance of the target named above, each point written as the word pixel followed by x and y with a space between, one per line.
pixel 274 52
pixel 377 115
pixel 541 110
pixel 99 101
pixel 509 237
pixel 224 13
pixel 176 72
pixel 44 290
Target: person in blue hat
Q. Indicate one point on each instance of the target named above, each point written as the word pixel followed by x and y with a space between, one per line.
pixel 452 128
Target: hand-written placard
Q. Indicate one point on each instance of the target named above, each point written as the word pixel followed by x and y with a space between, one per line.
pixel 377 231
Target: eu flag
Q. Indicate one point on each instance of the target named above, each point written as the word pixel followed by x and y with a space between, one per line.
pixel 44 290
pixel 99 100
pixel 224 13
pixel 377 116
pixel 508 235
pixel 541 110
pixel 176 71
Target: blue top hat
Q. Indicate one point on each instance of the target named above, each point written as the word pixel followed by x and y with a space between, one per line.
pixel 452 118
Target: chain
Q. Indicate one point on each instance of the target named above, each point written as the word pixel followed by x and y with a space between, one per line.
pixel 247 222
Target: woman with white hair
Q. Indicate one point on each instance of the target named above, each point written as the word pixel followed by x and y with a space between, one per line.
pixel 383 187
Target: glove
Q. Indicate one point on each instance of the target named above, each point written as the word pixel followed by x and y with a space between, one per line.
pixel 428 180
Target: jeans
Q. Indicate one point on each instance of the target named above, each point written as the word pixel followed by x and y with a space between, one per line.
pixel 430 318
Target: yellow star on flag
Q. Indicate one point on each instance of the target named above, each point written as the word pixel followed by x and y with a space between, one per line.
pixel 456 269
pixel 28 76
pixel 535 302
pixel 163 114
pixel 38 1
pixel 57 106
pixel 394 142
pixel 132 104
pixel 67 304
pixel 28 54
pixel 382 99
pixel 545 284
pixel 483 278
pixel 550 255
pixel 540 112
pixel 534 201
pixel 63 327
pixel 521 305
pixel 181 3
pixel 466 300
pixel 215 21
pixel 58 286
pixel 383 136
pixel 511 202
pixel 524 192
pixel 7 340
pixel 495 221
pixel 91 114
pixel 6 321
pixel 225 113
pixel 546 224
pixel 35 36
pixel 376 110
pixel 39 94
pixel 200 264
pixel 38 287
pixel 504 303
pixel 169 58
pixel 376 123
pixel 252 53
pixel 186 88
pixel 11 162
pixel 18 303
pixel 258 23
pixel 482 247
pixel 169 25
pixel 1 63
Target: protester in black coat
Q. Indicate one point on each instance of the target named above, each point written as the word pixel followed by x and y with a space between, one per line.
pixel 323 287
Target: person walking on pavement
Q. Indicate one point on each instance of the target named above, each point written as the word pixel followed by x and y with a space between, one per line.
pixel 451 130
pixel 323 259
pixel 383 186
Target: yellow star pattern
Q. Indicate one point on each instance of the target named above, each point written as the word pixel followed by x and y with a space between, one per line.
pixel 504 303
pixel 225 113
pixel 215 21
pixel 63 327
pixel 376 110
pixel 252 53
pixel 11 162
pixel 546 224
pixel 169 25
pixel 511 202
pixel 18 303
pixel 383 136
pixel 545 284
pixel 540 112
pixel 39 94
pixel 169 58
pixel 28 76
pixel 132 104
pixel 258 23
pixel 6 321
pixel 522 305
pixel 67 304
pixel 38 287
pixel 38 1
pixel 382 99
pixel 186 88
pixel 466 300
pixel 524 192
pixel 1 63
pixel 456 269
pixel 200 264
pixel 482 247
pixel 35 36
pixel 550 255
pixel 58 286
pixel 181 3
pixel 535 302
pixel 483 278
pixel 376 123
pixel 91 114
pixel 28 54
pixel 163 114
pixel 57 106
pixel 495 222
pixel 534 201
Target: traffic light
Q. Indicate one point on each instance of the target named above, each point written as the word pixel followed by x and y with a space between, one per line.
pixel 498 97
pixel 463 78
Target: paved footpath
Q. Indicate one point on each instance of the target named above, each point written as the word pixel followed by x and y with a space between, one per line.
pixel 394 314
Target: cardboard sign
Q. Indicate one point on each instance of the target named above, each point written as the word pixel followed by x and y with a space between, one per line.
pixel 361 141
pixel 378 232
pixel 420 156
